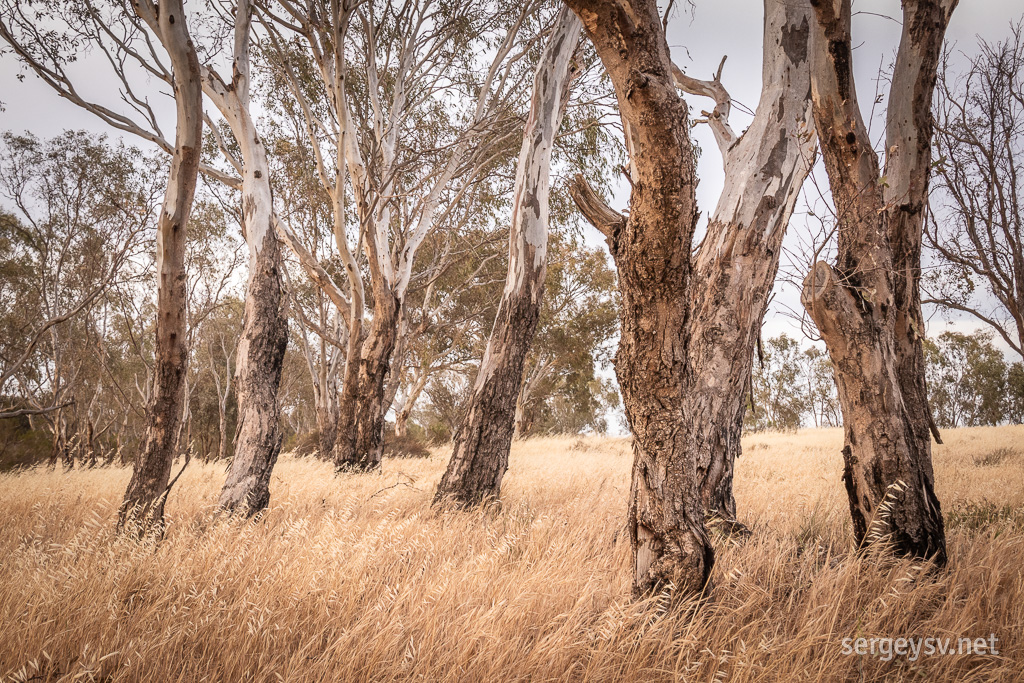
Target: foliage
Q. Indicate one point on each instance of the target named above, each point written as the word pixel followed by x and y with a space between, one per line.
pixel 967 380
pixel 787 385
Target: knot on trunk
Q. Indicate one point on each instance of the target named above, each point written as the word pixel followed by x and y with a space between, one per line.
pixel 831 304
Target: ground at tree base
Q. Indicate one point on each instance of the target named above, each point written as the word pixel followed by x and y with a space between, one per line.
pixel 356 578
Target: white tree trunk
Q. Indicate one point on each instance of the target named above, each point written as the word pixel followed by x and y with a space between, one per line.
pixel 261 347
pixel 482 443
pixel 739 258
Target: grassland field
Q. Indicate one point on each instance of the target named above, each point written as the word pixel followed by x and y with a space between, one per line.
pixel 356 578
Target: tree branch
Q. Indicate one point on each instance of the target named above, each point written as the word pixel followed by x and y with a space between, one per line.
pixel 603 217
pixel 717 118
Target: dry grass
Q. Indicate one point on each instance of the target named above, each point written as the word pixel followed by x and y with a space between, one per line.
pixel 355 578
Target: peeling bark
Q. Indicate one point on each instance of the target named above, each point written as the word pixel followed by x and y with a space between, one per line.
pixel 359 440
pixel 482 443
pixel 652 255
pixel 142 511
pixel 260 357
pixel 867 307
pixel 739 257
pixel 261 347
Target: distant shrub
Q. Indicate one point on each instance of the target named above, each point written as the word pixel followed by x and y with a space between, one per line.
pixel 405 447
pixel 304 445
pixel 995 457
pixel 982 515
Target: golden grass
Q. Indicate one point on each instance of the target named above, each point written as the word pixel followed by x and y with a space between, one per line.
pixel 355 578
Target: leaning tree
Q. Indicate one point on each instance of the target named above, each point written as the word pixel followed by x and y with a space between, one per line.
pixel 482 442
pixel 121 36
pixel 144 500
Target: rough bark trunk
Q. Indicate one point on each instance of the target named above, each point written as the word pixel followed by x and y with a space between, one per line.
pixel 739 257
pixel 867 307
pixel 260 357
pixel 652 254
pixel 359 442
pixel 327 423
pixel 143 504
pixel 482 443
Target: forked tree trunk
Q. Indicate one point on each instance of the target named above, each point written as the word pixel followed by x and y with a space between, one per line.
pixel 652 254
pixel 739 258
pixel 482 443
pixel 867 307
pixel 359 441
pixel 143 505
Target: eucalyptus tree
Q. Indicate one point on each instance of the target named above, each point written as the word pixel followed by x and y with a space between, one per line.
pixel 81 207
pixel 147 491
pixel 690 314
pixel 967 380
pixel 123 38
pixel 406 107
pixel 480 456
pixel 975 229
pixel 47 37
pixel 867 306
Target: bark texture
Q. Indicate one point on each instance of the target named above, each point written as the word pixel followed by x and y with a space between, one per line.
pixel 738 260
pixel 327 424
pixel 143 506
pixel 652 255
pixel 359 439
pixel 261 348
pixel 482 443
pixel 260 358
pixel 867 307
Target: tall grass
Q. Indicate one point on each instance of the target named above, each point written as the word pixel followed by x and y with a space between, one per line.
pixel 356 578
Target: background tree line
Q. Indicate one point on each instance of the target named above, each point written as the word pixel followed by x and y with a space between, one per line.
pixel 76 211
pixel 970 384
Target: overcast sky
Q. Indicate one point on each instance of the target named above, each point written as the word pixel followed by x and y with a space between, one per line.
pixel 698 39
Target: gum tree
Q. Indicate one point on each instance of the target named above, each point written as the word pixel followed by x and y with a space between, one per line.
pixel 690 314
pixel 867 304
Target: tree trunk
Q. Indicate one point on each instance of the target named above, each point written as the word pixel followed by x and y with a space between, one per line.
pixel 359 441
pixel 402 418
pixel 867 307
pixel 652 255
pixel 482 443
pixel 143 504
pixel 260 358
pixel 264 338
pixel 326 423
pixel 222 424
pixel 520 415
pixel 739 257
